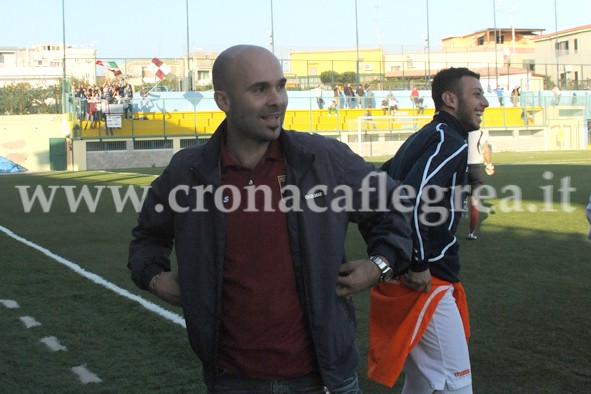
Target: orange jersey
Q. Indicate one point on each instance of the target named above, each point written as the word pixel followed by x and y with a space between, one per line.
pixel 398 318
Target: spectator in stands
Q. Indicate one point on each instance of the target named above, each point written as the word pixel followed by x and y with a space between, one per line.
pixel 369 96
pixel 266 293
pixel 337 96
pixel 127 101
pixel 392 105
pixel 420 106
pixel 500 91
pixel 515 96
pixel 414 95
pixel 92 103
pixel 369 120
pixel 384 106
pixel 318 94
pixel 556 94
pixel 333 108
pixel 349 96
pixel 107 93
pixel 361 99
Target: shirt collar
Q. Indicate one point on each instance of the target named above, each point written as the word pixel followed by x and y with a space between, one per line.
pixel 273 153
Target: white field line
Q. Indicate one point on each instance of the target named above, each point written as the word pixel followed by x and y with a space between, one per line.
pixel 85 375
pixel 10 304
pixel 29 321
pixel 173 317
pixel 53 344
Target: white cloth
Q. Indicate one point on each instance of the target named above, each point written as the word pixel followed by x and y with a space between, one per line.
pixel 476 141
pixel 441 357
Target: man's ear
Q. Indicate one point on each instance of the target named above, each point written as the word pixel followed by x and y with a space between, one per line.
pixel 222 100
pixel 449 99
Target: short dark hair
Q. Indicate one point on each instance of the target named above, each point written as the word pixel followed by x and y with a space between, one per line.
pixel 448 80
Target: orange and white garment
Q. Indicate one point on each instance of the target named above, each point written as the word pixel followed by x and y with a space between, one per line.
pixel 398 318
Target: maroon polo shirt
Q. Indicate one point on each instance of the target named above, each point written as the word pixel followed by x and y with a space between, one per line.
pixel 263 331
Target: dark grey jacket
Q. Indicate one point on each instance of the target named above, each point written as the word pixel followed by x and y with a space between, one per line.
pixel 317 241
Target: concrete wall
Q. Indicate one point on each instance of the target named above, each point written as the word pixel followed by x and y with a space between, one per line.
pixel 24 139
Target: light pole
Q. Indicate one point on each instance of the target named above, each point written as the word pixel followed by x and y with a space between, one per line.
pixel 272 34
pixel 428 48
pixel 64 58
pixel 357 42
pixel 189 86
pixel 556 48
pixel 496 39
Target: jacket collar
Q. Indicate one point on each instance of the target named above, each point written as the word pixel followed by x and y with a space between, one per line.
pixel 206 165
pixel 451 121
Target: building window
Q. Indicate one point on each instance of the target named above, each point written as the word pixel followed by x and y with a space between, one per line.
pixel 561 48
pixel 480 40
pixel 576 45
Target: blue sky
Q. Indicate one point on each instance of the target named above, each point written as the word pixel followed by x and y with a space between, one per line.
pixel 148 28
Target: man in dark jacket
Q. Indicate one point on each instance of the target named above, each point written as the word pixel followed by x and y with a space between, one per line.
pixel 424 314
pixel 258 218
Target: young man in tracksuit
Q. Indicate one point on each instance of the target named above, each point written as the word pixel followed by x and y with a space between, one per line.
pixel 419 321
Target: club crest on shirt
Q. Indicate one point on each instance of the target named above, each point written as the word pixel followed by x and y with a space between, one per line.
pixel 282 179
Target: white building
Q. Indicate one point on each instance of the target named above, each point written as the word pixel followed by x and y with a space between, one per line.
pixel 43 65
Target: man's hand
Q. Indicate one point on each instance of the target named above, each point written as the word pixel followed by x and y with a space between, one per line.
pixel 356 276
pixel 166 286
pixel 418 281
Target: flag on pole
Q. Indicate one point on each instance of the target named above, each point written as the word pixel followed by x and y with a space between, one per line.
pixel 159 68
pixel 111 66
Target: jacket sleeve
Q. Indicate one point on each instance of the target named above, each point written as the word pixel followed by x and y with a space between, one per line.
pixel 150 248
pixel 381 219
pixel 431 174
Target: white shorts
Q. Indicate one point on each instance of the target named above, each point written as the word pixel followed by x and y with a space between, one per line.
pixel 441 357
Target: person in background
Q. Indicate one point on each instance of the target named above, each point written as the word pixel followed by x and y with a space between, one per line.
pixel 333 108
pixel 318 93
pixel 556 95
pixel 420 106
pixel 419 321
pixel 349 96
pixel 479 166
pixel 515 96
pixel 337 95
pixel 392 105
pixel 369 96
pixel 500 95
pixel 414 95
pixel 262 275
pixel 361 98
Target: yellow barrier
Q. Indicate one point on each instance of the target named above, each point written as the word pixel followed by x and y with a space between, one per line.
pixel 205 122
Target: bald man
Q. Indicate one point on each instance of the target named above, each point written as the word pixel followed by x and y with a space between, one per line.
pixel 258 217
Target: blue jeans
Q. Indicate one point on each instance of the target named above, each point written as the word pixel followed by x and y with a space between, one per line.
pixel 308 384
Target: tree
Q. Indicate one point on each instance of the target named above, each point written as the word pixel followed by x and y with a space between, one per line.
pixel 329 77
pixel 349 77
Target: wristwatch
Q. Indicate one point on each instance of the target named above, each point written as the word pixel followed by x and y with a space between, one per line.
pixel 386 272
